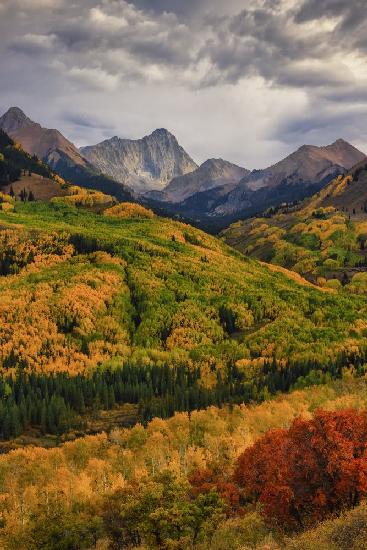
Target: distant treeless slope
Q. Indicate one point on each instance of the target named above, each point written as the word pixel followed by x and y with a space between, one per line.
pixel 43 189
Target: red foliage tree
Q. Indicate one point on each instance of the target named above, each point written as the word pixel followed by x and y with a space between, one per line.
pixel 310 471
pixel 204 481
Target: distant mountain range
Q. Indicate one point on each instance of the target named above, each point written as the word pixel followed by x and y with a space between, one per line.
pixel 215 202
pixel 157 171
pixel 301 173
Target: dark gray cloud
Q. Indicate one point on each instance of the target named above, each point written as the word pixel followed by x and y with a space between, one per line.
pixel 189 8
pixel 128 66
pixel 268 41
pixel 350 16
pixel 150 40
pixel 265 39
pixel 174 6
pixel 86 121
pixel 352 12
pixel 321 122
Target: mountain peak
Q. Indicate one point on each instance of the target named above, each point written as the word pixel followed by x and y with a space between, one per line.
pixel 144 164
pixel 212 161
pixel 13 119
pixel 219 162
pixel 340 142
pixel 211 174
pixel 304 147
pixel 15 111
pixel 162 133
pixel 47 144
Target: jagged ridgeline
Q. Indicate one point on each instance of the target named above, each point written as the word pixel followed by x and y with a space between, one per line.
pixel 170 317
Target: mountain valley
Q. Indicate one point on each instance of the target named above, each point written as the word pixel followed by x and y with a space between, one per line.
pixel 149 370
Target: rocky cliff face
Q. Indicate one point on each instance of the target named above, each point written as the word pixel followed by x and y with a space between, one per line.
pixel 211 174
pixel 298 175
pixel 143 164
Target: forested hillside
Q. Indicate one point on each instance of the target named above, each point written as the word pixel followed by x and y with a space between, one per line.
pixel 149 311
pixel 176 483
pixel 135 283
pixel 322 238
pixel 112 316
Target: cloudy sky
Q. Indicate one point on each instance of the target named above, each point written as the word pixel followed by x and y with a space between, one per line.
pixel 246 80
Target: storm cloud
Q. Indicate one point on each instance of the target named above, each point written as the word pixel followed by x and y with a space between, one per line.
pixel 247 80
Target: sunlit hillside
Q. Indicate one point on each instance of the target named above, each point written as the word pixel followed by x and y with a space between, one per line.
pixel 323 238
pixel 151 290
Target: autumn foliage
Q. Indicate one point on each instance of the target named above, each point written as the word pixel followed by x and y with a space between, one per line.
pixel 78 196
pixel 128 210
pixel 213 479
pixel 91 288
pixel 159 486
pixel 316 468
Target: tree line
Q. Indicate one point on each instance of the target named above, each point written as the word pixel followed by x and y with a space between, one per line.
pixel 60 402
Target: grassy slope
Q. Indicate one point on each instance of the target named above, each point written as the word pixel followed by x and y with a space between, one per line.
pixel 347 532
pixel 153 289
pixel 43 189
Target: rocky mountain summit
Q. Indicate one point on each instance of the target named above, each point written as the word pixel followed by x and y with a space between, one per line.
pixel 211 174
pixel 47 144
pixel 142 164
pixel 14 119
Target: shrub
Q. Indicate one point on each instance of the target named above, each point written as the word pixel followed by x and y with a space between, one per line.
pixel 347 532
pixel 128 210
